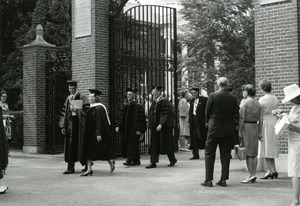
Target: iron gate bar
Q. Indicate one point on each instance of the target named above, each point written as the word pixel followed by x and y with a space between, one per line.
pixel 142 54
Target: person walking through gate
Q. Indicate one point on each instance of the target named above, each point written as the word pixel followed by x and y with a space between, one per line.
pixel 132 126
pixel 72 123
pixel 198 130
pixel 221 111
pixel 97 134
pixel 161 125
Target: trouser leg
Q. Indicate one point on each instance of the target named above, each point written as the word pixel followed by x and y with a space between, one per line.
pixel 210 156
pixel 225 151
pixel 154 156
pixel 171 157
pixel 71 166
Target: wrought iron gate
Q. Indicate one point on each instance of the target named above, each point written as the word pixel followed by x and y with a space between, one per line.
pixel 58 71
pixel 142 54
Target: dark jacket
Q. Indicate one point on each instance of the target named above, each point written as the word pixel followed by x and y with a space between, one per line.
pixel 197 122
pixel 221 111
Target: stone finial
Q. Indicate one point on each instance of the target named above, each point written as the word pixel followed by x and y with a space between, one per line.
pixel 39 39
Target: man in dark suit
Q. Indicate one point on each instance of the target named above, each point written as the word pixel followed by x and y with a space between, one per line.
pixel 198 130
pixel 221 110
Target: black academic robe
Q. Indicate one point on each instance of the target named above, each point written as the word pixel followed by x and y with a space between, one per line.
pixel 161 113
pixel 97 123
pixel 74 126
pixel 3 145
pixel 198 130
pixel 133 120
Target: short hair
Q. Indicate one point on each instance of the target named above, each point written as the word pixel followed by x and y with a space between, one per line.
pixel 250 89
pixel 222 82
pixel 265 85
pixel 3 92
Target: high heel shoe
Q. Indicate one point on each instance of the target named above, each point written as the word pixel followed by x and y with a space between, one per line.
pixel 275 174
pixel 271 175
pixel 249 180
pixel 112 165
pixel 87 173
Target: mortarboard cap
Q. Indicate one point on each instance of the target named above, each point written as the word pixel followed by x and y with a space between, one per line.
pixel 72 82
pixel 159 88
pixel 131 90
pixel 196 89
pixel 95 91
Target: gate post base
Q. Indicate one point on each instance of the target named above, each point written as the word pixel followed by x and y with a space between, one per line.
pixel 34 149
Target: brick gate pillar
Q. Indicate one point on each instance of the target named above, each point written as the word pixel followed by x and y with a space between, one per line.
pixel 277 47
pixel 34 93
pixel 90 45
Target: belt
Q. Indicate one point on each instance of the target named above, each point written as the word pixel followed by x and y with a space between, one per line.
pixel 251 122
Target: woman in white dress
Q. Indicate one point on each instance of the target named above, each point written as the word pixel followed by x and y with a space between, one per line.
pixel 292 94
pixel 184 130
pixel 268 148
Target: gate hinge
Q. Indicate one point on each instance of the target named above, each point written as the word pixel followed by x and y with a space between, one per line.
pixel 116 7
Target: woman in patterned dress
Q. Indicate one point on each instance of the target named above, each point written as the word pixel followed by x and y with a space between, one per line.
pixel 269 147
pixel 5 114
pixel 292 94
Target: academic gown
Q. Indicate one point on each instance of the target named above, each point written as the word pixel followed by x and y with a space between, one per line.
pixel 74 126
pixel 161 112
pixel 133 120
pixel 97 123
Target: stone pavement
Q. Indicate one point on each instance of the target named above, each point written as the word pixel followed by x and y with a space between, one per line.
pixel 38 180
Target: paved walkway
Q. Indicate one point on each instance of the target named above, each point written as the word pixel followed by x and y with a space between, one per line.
pixel 38 180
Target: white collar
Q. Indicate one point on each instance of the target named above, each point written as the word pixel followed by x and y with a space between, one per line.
pixel 96 104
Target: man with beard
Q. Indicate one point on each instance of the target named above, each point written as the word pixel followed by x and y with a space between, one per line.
pixel 132 126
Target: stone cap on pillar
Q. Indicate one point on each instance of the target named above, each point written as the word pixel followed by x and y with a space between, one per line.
pixel 39 39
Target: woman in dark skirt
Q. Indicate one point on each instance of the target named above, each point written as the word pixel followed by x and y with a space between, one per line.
pixel 3 154
pixel 97 134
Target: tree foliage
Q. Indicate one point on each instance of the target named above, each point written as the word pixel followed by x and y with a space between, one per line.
pixel 53 15
pixel 220 31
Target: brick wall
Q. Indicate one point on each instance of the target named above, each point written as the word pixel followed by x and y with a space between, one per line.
pixel 34 98
pixel 277 48
pixel 90 54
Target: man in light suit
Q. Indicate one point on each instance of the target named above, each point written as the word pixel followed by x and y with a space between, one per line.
pixel 221 111
pixel 198 130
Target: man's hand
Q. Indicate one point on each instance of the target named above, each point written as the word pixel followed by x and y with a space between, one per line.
pixel 158 128
pixel 63 131
pixel 99 138
pixel 138 133
pixel 117 129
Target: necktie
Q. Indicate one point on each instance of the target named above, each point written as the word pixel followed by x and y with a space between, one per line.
pixel 195 106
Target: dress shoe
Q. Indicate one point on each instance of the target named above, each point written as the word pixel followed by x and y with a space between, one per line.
pixel 207 183
pixel 3 189
pixel 87 173
pixel 194 158
pixel 275 174
pixel 249 180
pixel 112 165
pixel 222 183
pixel 136 162
pixel 67 172
pixel 266 176
pixel 172 164
pixel 151 165
pixel 127 163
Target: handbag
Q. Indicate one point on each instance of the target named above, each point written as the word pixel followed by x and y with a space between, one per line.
pixel 240 150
